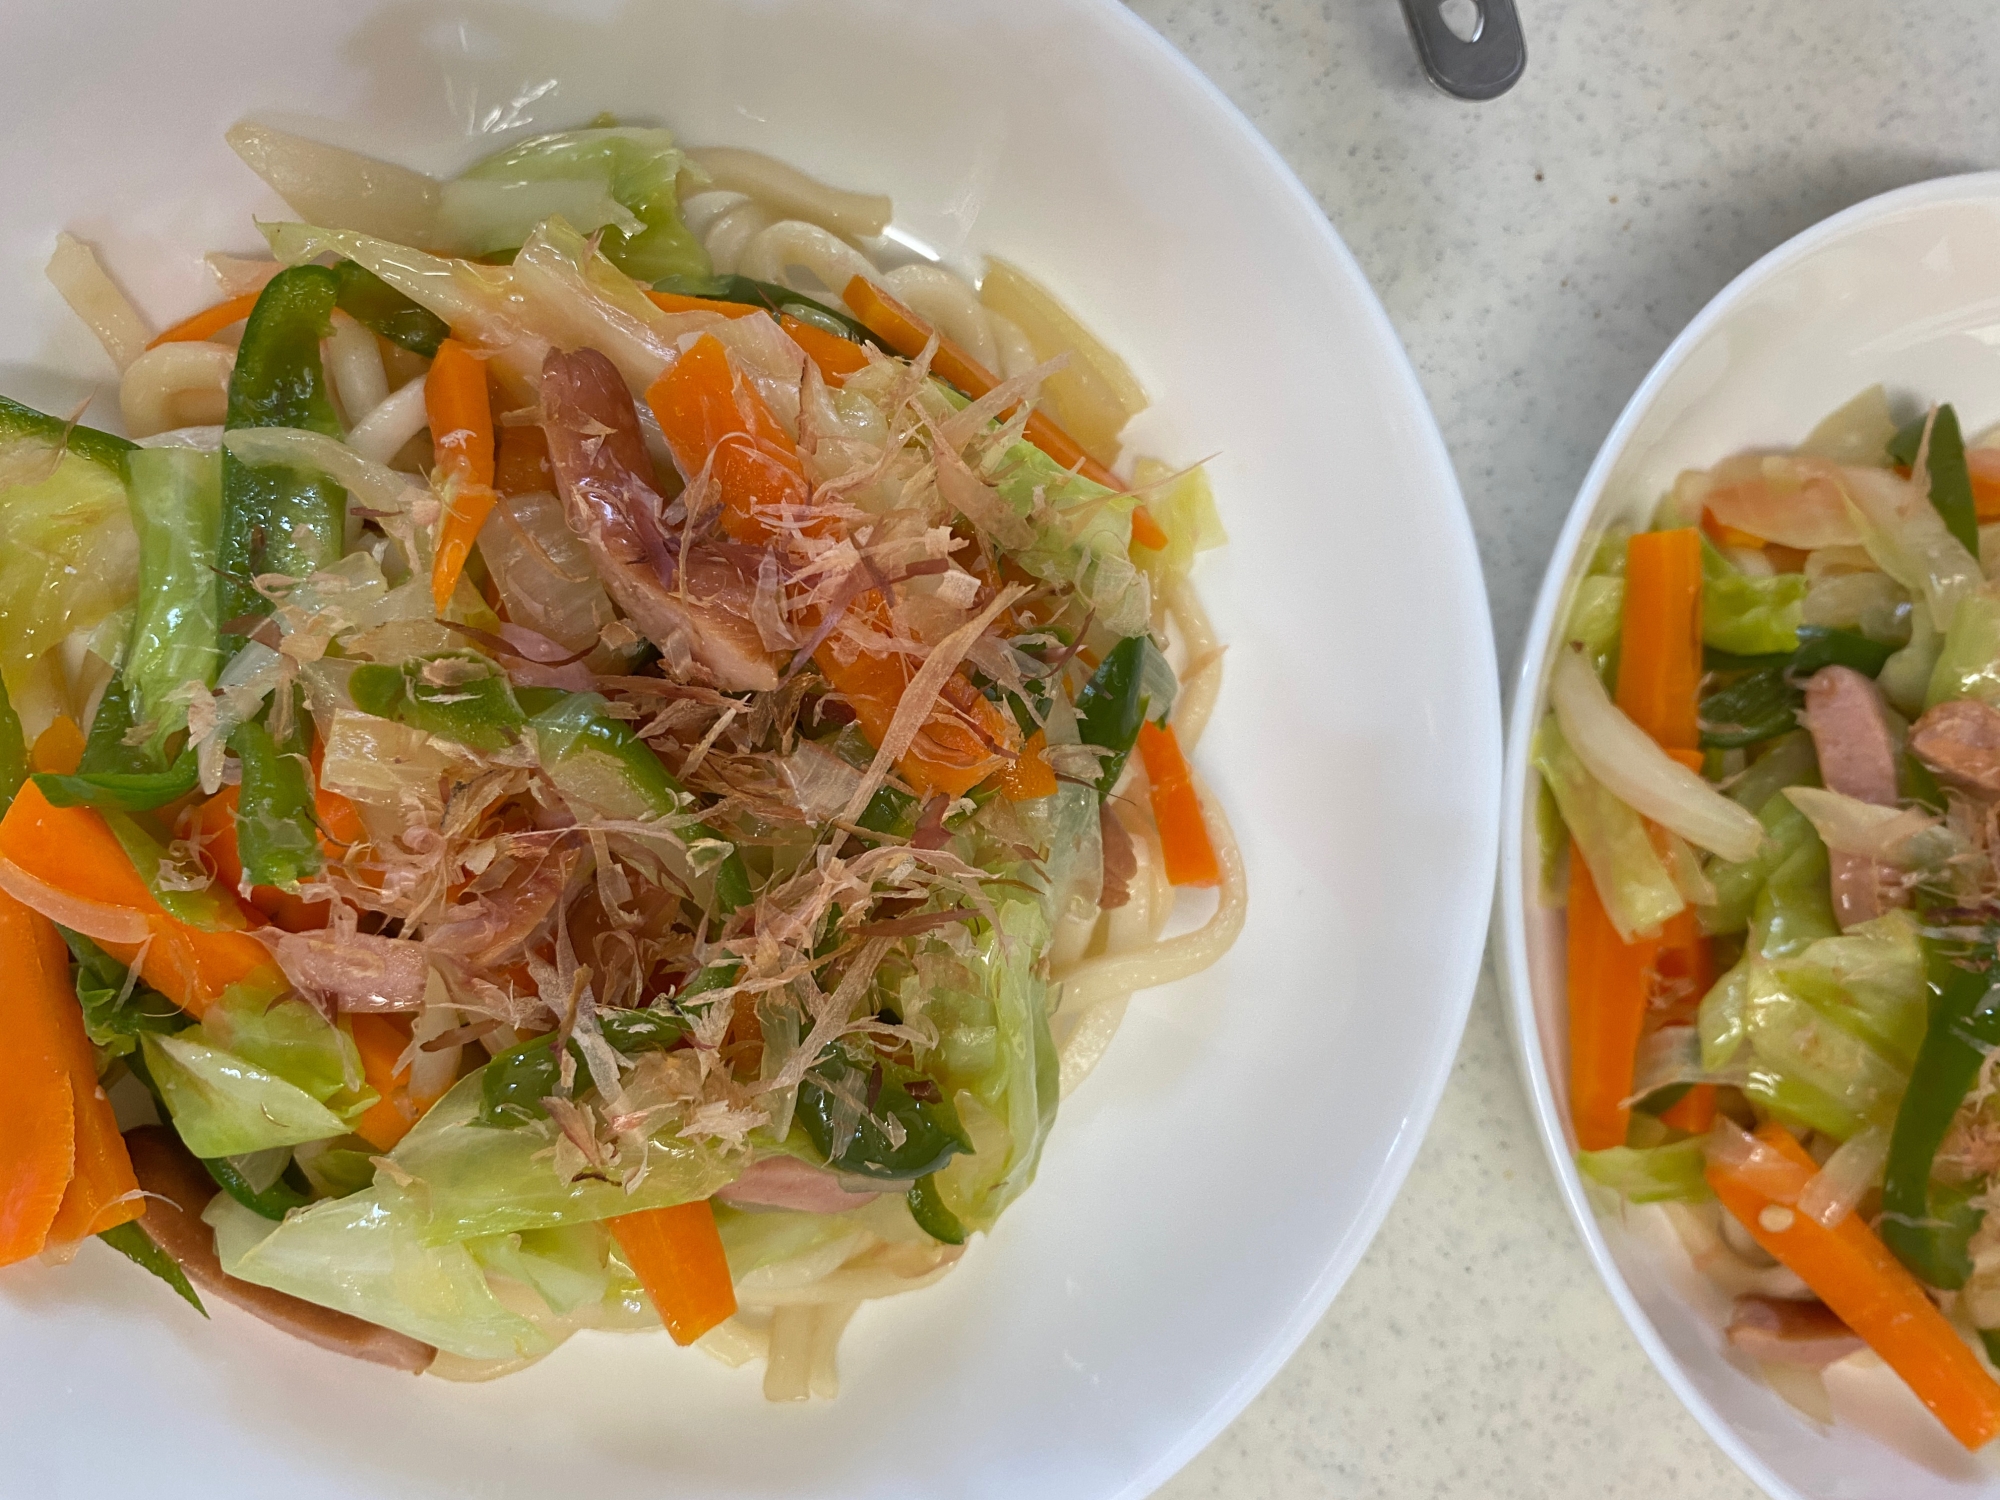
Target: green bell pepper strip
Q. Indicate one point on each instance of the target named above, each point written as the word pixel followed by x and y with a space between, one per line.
pixel 1951 481
pixel 13 751
pixel 277 836
pixel 380 308
pixel 513 1085
pixel 1926 1227
pixel 132 1242
pixel 1112 706
pixel 571 727
pixel 176 499
pixel 933 1218
pixel 277 1200
pixel 20 423
pixel 932 1133
pixel 479 710
pixel 774 299
pixel 279 519
pixel 113 775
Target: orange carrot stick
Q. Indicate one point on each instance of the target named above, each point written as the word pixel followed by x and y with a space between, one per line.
pixel 38 1106
pixel 461 416
pixel 674 302
pixel 207 323
pixel 1659 644
pixel 1146 532
pixel 1983 465
pixel 103 1192
pixel 836 357
pixel 677 1255
pixel 1853 1272
pixel 906 333
pixel 1608 984
pixel 715 421
pixel 58 749
pixel 1184 840
pixel 1031 775
pixel 382 1041
pixel 68 855
pixel 1659 684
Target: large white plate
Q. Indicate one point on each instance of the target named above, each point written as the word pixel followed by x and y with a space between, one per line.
pixel 1210 1188
pixel 1903 290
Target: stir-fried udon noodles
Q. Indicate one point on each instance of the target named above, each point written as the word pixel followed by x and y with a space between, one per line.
pixel 603 754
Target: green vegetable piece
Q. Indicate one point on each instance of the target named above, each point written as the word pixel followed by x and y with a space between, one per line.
pixel 932 1134
pixel 176 496
pixel 932 1217
pixel 13 751
pixel 597 758
pixel 774 299
pixel 638 168
pixel 1923 1226
pixel 1749 616
pixel 515 1082
pixel 1758 706
pixel 1789 760
pixel 1763 702
pixel 18 423
pixel 1638 891
pixel 1654 1174
pixel 132 1242
pixel 379 307
pixel 274 1202
pixel 114 1019
pixel 1951 481
pixel 1112 706
pixel 1968 659
pixel 456 695
pixel 279 519
pixel 276 835
pixel 225 1105
pixel 114 775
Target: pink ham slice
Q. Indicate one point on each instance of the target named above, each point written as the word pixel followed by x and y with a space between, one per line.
pixel 599 457
pixel 1857 758
pixel 1960 740
pixel 1779 1332
pixel 177 1190
pixel 786 1182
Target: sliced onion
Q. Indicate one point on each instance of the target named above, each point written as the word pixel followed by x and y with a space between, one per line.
pixel 1854 1168
pixel 1796 503
pixel 94 919
pixel 341 189
pixel 1907 538
pixel 95 298
pixel 375 486
pixel 1908 837
pixel 1639 773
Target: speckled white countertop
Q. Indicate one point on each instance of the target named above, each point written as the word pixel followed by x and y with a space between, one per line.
pixel 1537 253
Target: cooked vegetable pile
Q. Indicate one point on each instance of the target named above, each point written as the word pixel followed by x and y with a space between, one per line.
pixel 571 780
pixel 1774 759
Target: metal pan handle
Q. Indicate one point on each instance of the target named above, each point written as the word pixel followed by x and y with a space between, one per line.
pixel 1471 49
